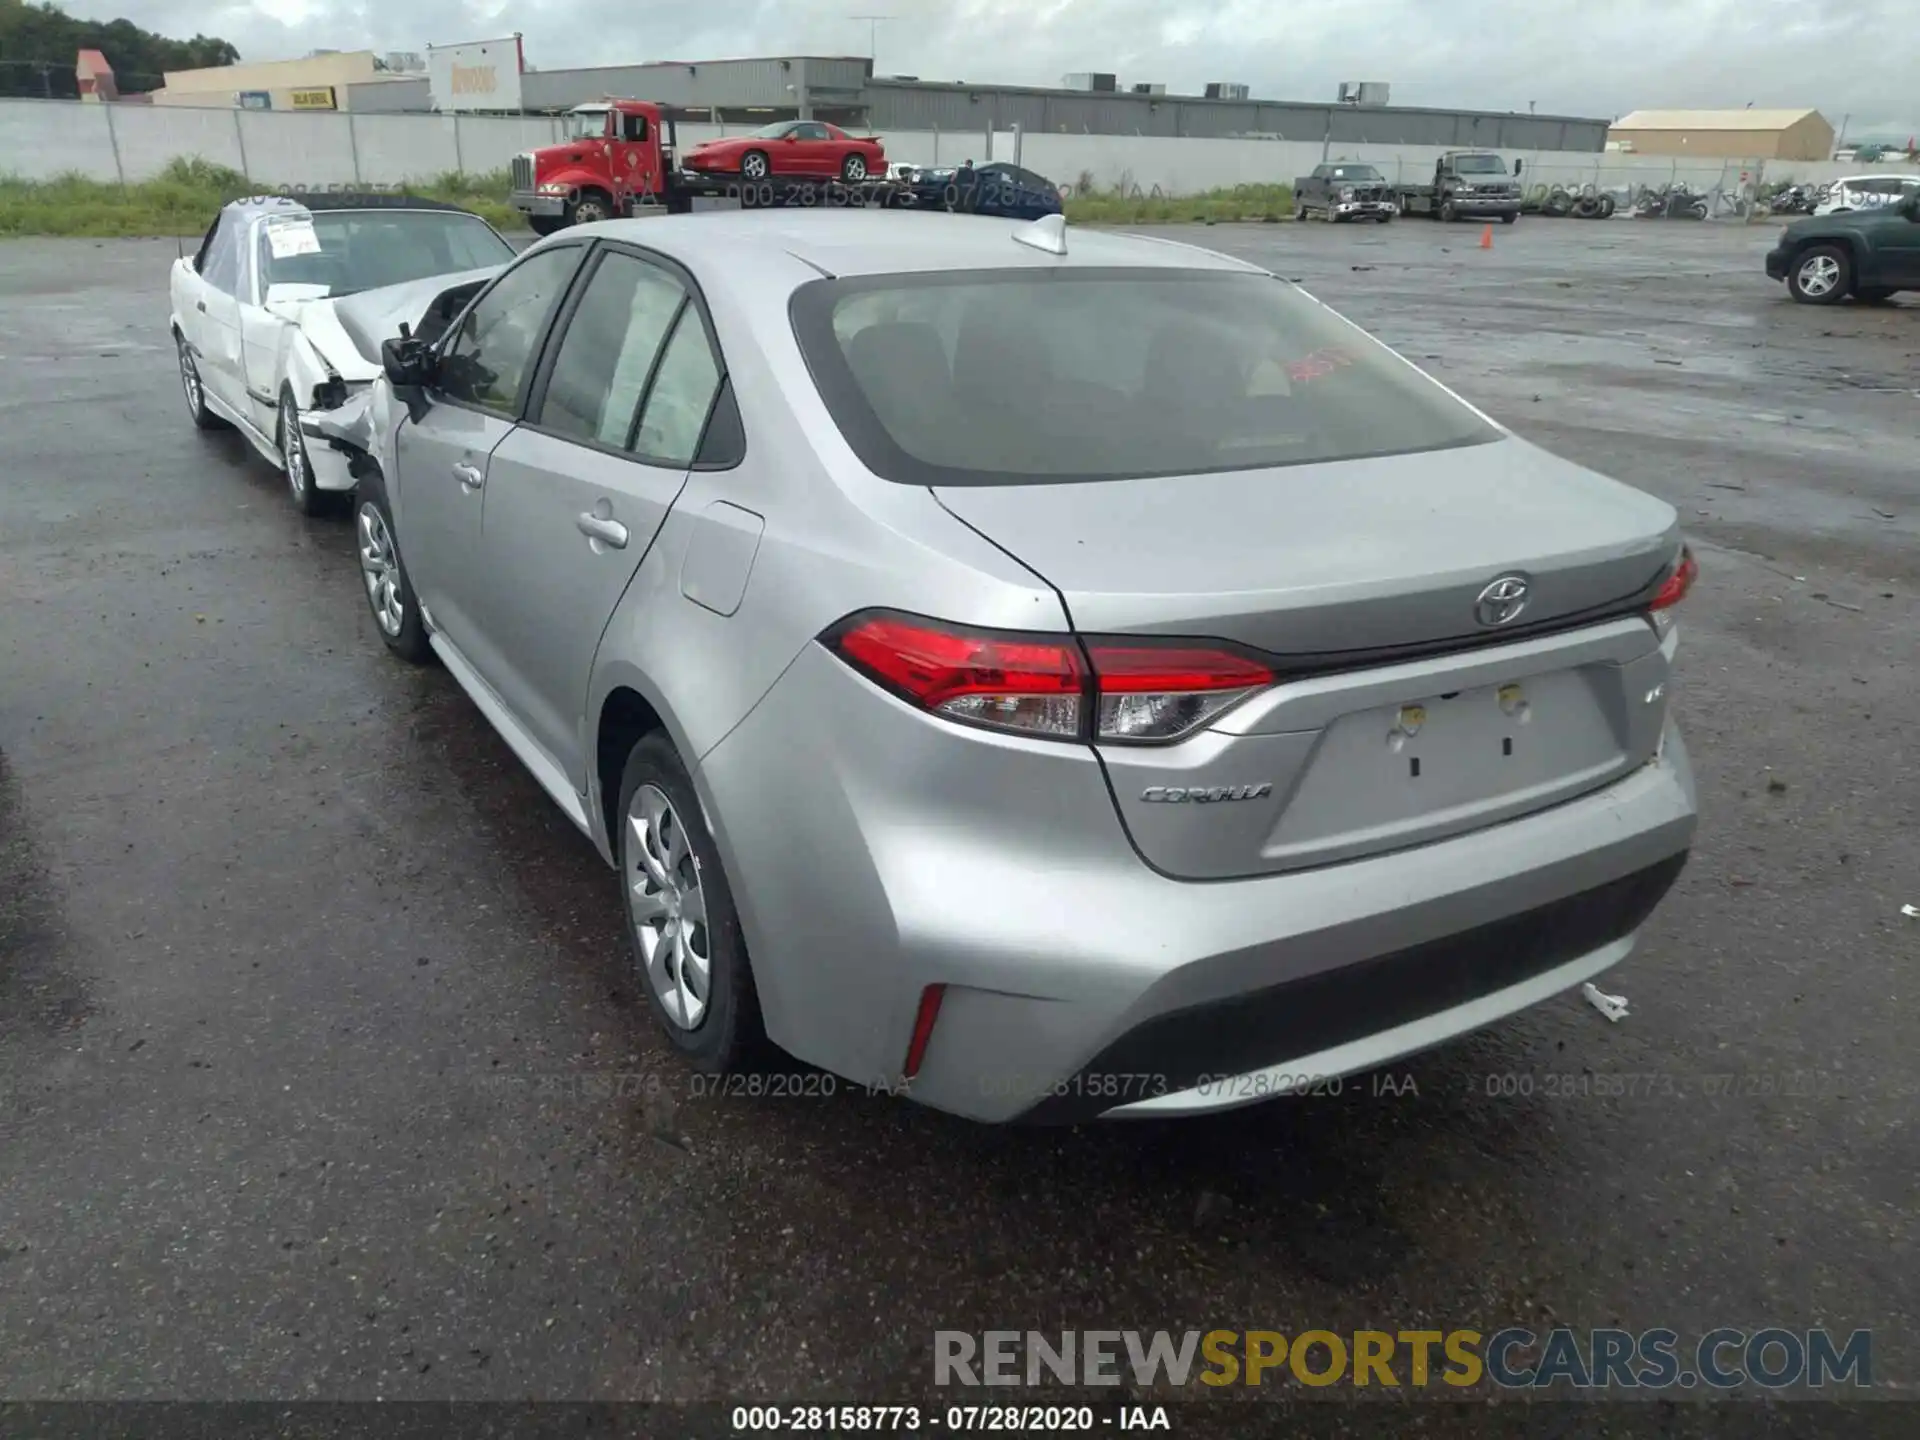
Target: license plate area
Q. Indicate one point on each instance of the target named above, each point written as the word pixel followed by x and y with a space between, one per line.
pixel 1447 761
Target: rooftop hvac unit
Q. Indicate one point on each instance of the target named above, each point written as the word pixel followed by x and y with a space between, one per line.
pixel 1149 89
pixel 1092 80
pixel 1363 92
pixel 404 62
pixel 1225 90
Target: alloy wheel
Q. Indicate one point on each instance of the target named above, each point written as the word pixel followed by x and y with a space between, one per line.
pixel 669 907
pixel 189 377
pixel 293 450
pixel 380 569
pixel 754 167
pixel 1819 275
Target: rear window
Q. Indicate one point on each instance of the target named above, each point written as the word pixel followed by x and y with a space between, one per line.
pixel 1024 377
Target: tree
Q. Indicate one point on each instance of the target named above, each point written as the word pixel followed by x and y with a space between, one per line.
pixel 38 46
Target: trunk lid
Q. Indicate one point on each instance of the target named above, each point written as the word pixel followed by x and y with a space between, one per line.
pixel 1399 716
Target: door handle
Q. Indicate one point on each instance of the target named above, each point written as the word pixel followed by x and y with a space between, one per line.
pixel 468 476
pixel 201 306
pixel 610 533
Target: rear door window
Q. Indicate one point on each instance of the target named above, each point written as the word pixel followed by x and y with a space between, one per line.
pixel 1027 376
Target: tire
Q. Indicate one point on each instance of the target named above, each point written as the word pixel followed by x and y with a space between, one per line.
pixel 1299 211
pixel 1821 275
pixel 194 389
pixel 308 499
pixel 853 169
pixel 389 592
pixel 1508 218
pixel 1875 294
pixel 544 225
pixel 662 833
pixel 754 165
pixel 1607 206
pixel 1448 212
pixel 1386 219
pixel 592 207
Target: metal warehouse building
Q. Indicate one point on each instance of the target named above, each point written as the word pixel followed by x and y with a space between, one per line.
pixel 1726 134
pixel 845 91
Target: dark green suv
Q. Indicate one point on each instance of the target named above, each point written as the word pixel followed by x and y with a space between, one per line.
pixel 1868 254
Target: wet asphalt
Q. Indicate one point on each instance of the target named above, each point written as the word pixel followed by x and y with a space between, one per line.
pixel 323 1074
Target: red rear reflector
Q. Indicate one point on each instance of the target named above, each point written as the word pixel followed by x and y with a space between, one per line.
pixel 923 1022
pixel 1678 583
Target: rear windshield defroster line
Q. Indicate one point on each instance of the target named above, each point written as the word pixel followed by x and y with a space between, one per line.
pixel 1030 377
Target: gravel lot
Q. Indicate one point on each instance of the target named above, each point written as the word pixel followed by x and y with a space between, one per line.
pixel 300 973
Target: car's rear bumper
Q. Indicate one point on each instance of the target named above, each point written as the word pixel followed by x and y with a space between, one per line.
pixel 875 852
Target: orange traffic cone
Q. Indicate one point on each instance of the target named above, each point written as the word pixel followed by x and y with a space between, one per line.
pixel 1486 238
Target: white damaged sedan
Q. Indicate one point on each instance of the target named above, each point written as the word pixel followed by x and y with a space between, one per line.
pixel 279 317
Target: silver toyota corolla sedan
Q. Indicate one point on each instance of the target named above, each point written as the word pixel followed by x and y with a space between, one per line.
pixel 1053 673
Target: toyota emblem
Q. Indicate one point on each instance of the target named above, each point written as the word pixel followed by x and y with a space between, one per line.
pixel 1502 601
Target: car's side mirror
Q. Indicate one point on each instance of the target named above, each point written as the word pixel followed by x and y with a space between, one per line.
pixel 790 138
pixel 1910 207
pixel 1518 166
pixel 411 367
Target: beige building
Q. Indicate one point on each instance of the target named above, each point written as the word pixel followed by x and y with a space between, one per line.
pixel 1725 134
pixel 318 82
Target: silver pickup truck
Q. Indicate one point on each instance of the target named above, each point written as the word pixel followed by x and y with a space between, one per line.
pixel 1344 190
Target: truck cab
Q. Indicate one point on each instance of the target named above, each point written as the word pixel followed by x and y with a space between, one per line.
pixel 1468 184
pixel 617 155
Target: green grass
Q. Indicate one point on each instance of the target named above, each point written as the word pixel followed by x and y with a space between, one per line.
pixel 184 198
pixel 1125 205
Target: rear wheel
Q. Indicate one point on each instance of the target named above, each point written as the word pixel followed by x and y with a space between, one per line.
pixel 1821 275
pixel 853 169
pixel 681 921
pixel 754 165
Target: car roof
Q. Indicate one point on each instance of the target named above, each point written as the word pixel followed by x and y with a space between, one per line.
pixel 859 241
pixel 253 205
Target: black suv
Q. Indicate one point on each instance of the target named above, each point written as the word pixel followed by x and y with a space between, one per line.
pixel 1868 254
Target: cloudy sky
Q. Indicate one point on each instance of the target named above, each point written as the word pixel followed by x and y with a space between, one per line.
pixel 1578 57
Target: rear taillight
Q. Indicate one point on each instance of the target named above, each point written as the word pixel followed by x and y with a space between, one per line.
pixel 1673 590
pixel 1050 685
pixel 1153 692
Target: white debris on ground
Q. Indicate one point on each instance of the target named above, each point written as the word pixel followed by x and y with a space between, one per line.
pixel 1614 1007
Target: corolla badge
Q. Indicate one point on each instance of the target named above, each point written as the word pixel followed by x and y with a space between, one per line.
pixel 1204 794
pixel 1502 601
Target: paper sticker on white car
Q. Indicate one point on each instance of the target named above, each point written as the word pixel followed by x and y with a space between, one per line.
pixel 292 237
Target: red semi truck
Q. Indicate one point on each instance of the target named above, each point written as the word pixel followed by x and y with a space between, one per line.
pixel 620 155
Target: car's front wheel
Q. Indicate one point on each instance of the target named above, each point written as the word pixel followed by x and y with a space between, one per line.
pixel 196 391
pixel 754 165
pixel 681 922
pixel 1821 275
pixel 293 458
pixel 396 613
pixel 1449 212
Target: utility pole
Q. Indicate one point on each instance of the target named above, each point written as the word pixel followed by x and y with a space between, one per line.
pixel 873 32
